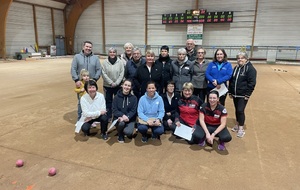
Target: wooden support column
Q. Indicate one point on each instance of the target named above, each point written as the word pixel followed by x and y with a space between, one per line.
pixel 146 22
pixel 254 28
pixel 103 26
pixel 72 20
pixel 5 4
pixel 35 28
pixel 53 26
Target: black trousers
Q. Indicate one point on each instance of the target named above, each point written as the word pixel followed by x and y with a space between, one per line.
pixel 103 122
pixel 199 134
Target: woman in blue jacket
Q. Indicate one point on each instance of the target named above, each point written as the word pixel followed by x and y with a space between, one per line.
pixel 219 71
pixel 124 109
pixel 150 112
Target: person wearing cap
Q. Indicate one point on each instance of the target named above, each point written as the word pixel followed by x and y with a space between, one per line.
pixel 165 61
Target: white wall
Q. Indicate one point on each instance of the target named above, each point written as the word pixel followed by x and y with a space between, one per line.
pixel 59 26
pixel 44 26
pixel 277 25
pixel 19 28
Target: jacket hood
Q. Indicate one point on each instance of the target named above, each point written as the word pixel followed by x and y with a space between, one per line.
pixel 82 53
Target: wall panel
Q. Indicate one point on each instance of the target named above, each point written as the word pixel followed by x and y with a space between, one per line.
pixel 59 26
pixel 19 28
pixel 44 26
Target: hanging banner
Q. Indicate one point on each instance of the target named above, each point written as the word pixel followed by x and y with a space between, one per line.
pixel 195 32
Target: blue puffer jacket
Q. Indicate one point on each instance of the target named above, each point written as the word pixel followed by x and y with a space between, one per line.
pixel 222 73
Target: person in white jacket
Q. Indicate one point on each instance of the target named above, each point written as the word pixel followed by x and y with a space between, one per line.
pixel 93 109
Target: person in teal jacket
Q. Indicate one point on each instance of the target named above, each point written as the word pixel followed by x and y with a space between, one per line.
pixel 218 72
pixel 150 113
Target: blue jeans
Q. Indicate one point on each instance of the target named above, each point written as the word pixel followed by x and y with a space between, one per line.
pixel 79 110
pixel 156 131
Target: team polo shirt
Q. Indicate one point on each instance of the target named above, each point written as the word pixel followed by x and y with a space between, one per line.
pixel 212 117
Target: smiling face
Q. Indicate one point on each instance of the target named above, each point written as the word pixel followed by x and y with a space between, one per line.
pixel 151 90
pixel 92 90
pixel 170 88
pixel 112 54
pixel 241 60
pixel 187 93
pixel 190 44
pixel 128 50
pixel 150 59
pixel 136 55
pixel 220 56
pixel 164 53
pixel 126 87
pixel 85 77
pixel 87 48
pixel 213 99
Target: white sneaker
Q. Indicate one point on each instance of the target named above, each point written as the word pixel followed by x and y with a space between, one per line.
pixel 235 128
pixel 240 133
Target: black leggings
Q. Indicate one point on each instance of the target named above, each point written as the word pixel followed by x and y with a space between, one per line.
pixel 240 105
pixel 199 134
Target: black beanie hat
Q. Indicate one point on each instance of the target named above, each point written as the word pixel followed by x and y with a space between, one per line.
pixel 164 47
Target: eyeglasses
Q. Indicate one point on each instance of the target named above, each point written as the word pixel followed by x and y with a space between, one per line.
pixel 200 52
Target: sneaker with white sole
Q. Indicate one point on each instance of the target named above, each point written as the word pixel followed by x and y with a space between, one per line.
pixel 235 128
pixel 240 133
pixel 121 139
pixel 221 146
pixel 144 139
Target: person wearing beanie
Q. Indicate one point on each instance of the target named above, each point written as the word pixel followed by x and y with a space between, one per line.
pixel 165 61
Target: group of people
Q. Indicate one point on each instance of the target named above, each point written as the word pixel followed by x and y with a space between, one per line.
pixel 162 94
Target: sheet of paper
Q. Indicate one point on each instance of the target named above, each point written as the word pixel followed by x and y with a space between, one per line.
pixel 222 91
pixel 112 125
pixel 79 124
pixel 184 131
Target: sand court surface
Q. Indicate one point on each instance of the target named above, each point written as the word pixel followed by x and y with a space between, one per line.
pixel 39 110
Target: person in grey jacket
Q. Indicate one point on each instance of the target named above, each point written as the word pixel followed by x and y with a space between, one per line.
pixel 113 74
pixel 88 61
pixel 181 69
pixel 198 76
